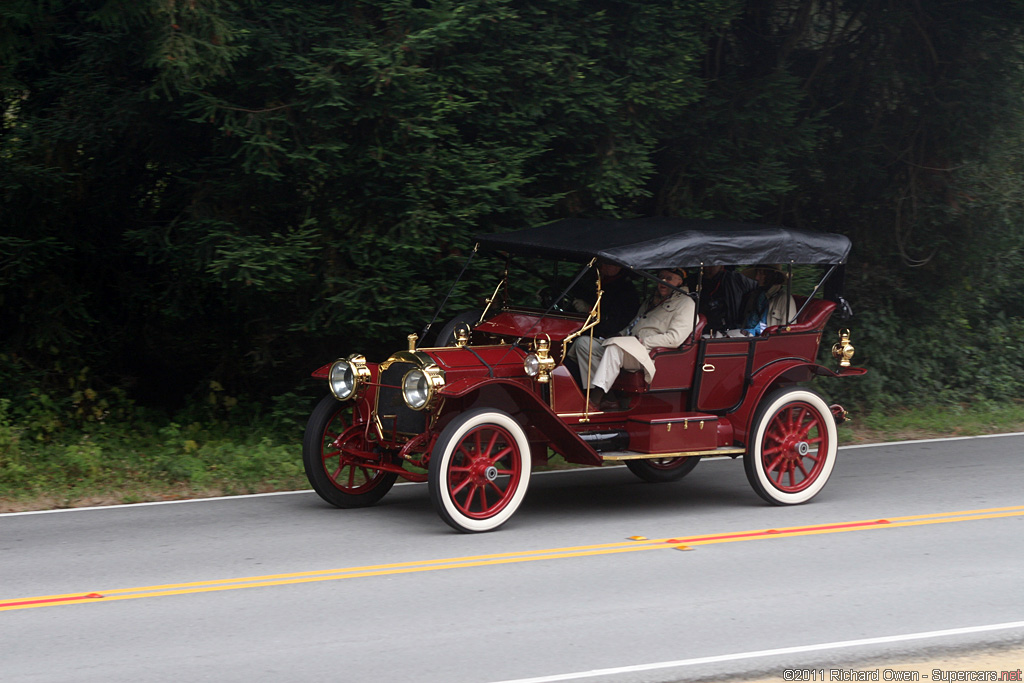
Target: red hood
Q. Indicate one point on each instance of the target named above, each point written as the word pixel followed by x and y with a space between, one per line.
pixel 504 360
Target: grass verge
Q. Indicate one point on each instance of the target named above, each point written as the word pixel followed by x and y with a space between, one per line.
pixel 932 421
pixel 140 462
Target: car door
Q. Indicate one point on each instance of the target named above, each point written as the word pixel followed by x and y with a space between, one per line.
pixel 722 369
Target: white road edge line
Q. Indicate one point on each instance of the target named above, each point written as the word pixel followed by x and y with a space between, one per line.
pixel 913 441
pixel 409 483
pixel 771 653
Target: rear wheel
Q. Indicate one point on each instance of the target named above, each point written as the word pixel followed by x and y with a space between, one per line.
pixel 479 470
pixel 662 470
pixel 342 479
pixel 792 448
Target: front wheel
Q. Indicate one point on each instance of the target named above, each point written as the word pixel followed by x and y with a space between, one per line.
pixel 339 477
pixel 792 448
pixel 479 470
pixel 662 470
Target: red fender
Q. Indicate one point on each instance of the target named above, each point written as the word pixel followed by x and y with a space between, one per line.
pixel 518 400
pixel 778 373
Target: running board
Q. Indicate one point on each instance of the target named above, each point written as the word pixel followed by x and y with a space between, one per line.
pixel 620 456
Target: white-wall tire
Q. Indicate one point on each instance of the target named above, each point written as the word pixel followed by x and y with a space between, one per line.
pixel 792 448
pixel 479 470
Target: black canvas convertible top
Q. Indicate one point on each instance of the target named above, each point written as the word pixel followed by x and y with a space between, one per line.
pixel 653 243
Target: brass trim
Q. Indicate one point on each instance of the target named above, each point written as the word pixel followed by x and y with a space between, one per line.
pixel 378 425
pixel 619 457
pixel 583 414
pixel 490 301
pixel 593 317
pixel 415 357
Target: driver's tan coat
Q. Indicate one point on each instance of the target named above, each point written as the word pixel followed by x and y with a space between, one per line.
pixel 665 325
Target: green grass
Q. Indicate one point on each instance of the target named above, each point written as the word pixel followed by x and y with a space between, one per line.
pixel 104 464
pixel 109 464
pixel 932 421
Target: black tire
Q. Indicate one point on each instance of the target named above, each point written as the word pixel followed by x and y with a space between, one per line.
pixel 792 448
pixel 479 470
pixel 663 470
pixel 341 481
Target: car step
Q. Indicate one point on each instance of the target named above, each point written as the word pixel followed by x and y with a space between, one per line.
pixel 718 453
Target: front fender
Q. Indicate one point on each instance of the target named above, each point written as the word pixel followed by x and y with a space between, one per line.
pixel 519 400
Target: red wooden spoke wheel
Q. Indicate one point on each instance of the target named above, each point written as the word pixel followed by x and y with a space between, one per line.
pixel 479 470
pixel 793 445
pixel 340 477
pixel 660 470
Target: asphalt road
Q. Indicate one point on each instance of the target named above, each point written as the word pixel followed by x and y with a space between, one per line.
pixel 910 548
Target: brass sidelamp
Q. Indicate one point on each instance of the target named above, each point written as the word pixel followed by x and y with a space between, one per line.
pixel 540 363
pixel 842 350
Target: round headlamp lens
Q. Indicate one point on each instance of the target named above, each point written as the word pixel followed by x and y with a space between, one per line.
pixel 416 389
pixel 342 379
pixel 531 364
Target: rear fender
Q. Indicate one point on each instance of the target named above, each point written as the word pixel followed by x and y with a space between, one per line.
pixel 541 424
pixel 783 372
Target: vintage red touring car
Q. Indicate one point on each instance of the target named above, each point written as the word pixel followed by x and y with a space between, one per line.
pixel 474 413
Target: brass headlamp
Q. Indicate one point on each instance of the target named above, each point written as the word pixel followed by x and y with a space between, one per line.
pixel 347 376
pixel 420 386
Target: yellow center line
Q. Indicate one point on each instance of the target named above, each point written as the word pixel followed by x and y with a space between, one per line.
pixel 628 546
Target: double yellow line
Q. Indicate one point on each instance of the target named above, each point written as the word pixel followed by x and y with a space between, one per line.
pixel 631 545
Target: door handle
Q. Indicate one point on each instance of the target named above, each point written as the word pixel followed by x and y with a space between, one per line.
pixel 708 367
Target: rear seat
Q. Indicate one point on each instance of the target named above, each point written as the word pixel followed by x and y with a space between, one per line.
pixel 812 319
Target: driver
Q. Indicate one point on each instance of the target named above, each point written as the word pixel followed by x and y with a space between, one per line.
pixel 618 302
pixel 666 319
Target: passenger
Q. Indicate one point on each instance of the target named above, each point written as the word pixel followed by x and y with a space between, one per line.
pixel 666 319
pixel 721 298
pixel 769 304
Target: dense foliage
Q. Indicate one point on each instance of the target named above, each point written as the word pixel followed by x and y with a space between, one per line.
pixel 208 198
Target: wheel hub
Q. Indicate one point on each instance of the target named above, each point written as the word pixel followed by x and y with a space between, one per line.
pixel 482 471
pixel 794 449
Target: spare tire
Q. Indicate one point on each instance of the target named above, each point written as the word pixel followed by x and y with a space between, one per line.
pixel 446 335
